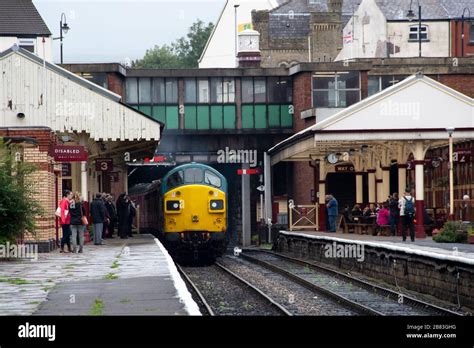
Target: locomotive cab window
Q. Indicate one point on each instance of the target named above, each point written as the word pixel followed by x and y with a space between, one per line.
pixel 212 179
pixel 193 175
pixel 175 179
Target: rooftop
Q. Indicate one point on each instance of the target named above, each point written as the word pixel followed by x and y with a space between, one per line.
pixel 20 17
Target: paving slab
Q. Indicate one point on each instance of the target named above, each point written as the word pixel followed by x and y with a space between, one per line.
pixel 131 276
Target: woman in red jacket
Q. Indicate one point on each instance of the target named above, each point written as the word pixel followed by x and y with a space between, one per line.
pixel 65 220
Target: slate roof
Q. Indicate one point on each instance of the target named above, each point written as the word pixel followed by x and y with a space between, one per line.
pixel 20 17
pixel 430 9
pixel 282 26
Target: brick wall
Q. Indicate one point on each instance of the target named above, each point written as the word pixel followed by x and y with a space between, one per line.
pixel 116 83
pixel 461 83
pixel 302 172
pixel 302 100
pixel 42 180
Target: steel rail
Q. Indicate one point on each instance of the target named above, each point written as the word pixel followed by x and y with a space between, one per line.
pixel 195 288
pixel 255 289
pixel 364 284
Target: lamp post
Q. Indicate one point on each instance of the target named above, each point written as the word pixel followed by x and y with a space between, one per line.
pixel 63 30
pixel 451 174
pixel 411 17
pixel 235 30
pixel 462 29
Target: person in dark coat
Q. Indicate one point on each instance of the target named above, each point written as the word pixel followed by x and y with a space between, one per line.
pixel 112 214
pixel 394 213
pixel 356 213
pixel 76 209
pixel 98 215
pixel 123 212
pixel 133 213
pixel 107 217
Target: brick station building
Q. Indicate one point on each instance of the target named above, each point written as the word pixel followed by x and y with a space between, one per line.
pixel 46 109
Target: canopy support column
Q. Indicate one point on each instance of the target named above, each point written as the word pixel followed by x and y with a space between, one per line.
pixel 372 184
pixel 402 179
pixel 379 181
pixel 322 195
pixel 419 152
pixel 84 188
pixel 385 183
pixel 359 188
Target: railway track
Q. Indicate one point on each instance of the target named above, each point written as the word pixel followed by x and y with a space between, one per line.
pixel 361 296
pixel 222 292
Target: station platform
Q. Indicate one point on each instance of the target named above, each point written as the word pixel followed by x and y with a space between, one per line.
pixel 463 253
pixel 440 271
pixel 135 276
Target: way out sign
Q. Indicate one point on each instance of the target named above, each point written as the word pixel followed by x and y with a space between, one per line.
pixel 104 164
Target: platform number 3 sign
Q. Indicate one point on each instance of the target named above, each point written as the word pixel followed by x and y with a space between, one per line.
pixel 104 165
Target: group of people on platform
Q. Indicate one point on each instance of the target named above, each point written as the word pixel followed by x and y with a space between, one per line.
pixel 105 214
pixel 389 213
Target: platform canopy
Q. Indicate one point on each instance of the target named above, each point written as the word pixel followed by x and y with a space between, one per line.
pixel 416 109
pixel 37 93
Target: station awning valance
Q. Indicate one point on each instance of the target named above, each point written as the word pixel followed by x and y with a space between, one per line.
pixel 34 92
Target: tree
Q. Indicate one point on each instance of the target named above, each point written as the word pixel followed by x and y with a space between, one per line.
pixel 183 53
pixel 18 208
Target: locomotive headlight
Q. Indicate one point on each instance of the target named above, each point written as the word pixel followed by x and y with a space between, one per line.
pixel 216 204
pixel 173 205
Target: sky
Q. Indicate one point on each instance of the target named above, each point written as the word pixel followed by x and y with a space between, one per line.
pixel 104 31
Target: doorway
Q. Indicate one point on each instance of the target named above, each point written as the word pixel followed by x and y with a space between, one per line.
pixel 343 187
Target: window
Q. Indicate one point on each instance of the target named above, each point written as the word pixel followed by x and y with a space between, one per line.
pixel 379 83
pixel 97 78
pixel 212 179
pixel 413 36
pixel 175 179
pixel 203 91
pixel 190 91
pixel 247 90
pixel 222 90
pixel 131 90
pixel 471 33
pixel 374 85
pixel 171 91
pixel 216 90
pixel 279 90
pixel 336 90
pixel 228 90
pixel 144 91
pixel 27 44
pixel 158 90
pixel 260 90
pixel 193 175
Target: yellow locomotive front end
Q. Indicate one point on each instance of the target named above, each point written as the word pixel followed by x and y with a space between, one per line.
pixel 194 206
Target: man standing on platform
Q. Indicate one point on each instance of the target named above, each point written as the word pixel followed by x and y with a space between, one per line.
pixel 333 211
pixel 98 216
pixel 407 214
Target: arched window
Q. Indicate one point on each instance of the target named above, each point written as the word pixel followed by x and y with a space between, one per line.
pixel 413 35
